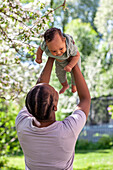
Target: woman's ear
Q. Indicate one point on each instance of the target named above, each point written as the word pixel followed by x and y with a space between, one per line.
pixel 54 108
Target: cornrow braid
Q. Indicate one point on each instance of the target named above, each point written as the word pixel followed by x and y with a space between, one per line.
pixel 39 102
pixel 50 33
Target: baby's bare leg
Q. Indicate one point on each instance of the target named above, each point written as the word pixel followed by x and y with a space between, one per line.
pixel 61 74
pixel 64 88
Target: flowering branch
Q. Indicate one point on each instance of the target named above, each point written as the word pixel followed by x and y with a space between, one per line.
pixel 30 24
pixel 21 29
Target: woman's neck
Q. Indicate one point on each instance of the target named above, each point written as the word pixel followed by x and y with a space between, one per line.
pixel 43 124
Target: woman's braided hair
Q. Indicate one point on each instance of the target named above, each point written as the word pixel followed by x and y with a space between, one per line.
pixel 39 102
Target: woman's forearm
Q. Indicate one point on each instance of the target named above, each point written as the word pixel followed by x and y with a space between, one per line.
pixel 46 73
pixel 82 90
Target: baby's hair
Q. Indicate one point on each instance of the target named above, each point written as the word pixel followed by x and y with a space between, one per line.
pixel 39 102
pixel 50 33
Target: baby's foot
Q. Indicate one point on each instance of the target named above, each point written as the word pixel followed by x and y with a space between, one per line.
pixel 74 89
pixel 64 88
pixel 67 68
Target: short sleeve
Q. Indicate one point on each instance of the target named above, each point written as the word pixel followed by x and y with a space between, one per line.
pixel 43 46
pixel 75 122
pixel 72 47
pixel 22 115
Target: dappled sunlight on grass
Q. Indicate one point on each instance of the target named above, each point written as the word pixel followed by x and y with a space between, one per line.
pixel 94 160
pixel 15 163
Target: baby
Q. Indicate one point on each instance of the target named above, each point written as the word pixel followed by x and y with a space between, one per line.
pixel 62 48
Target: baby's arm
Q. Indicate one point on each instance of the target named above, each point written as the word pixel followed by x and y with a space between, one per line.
pixel 39 56
pixel 72 62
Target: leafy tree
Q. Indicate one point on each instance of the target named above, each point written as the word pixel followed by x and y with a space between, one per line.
pixel 25 21
pixel 92 55
pixel 16 77
pixel 9 143
pixel 104 24
pixel 85 37
pixel 21 28
pixel 84 10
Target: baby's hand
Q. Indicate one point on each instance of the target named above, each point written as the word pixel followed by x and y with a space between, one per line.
pixel 38 60
pixel 67 68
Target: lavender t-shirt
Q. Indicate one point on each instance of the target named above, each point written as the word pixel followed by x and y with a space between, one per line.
pixel 52 147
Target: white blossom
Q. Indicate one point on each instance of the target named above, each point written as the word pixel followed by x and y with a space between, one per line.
pixel 20 30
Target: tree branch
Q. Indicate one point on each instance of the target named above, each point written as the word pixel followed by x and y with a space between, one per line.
pixel 22 22
pixel 63 5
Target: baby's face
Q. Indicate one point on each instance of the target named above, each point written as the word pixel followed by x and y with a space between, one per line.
pixel 57 46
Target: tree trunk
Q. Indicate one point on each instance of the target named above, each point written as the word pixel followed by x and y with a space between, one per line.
pixel 51 6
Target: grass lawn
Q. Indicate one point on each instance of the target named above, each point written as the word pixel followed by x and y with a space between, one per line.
pixel 15 163
pixel 94 160
pixel 84 160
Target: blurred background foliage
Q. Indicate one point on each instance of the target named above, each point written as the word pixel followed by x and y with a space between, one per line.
pixel 22 24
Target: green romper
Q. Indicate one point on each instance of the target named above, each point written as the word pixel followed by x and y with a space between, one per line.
pixel 71 50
